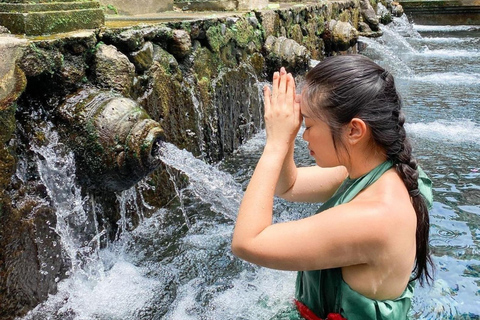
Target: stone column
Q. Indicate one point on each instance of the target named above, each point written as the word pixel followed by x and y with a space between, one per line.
pixel 38 17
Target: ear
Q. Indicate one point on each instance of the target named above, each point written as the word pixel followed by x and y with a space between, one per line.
pixel 357 130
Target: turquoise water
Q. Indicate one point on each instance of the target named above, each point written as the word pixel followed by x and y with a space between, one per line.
pixel 178 265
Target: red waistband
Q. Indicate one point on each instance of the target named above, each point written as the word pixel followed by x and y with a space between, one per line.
pixel 308 314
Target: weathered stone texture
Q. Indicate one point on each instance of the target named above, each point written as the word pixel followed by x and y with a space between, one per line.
pixel 113 69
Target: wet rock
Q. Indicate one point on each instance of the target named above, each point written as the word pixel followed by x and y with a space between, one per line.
pixel 368 14
pixel 286 52
pixel 37 60
pixel 239 111
pixel 73 71
pixel 143 58
pixel 79 43
pixel 385 16
pixel 168 99
pixel 340 35
pixel 181 44
pixel 132 39
pixel 364 27
pixel 114 140
pixel 253 21
pixel 126 40
pixel 12 84
pixel 113 70
pixel 397 9
pixel 270 22
pixel 31 255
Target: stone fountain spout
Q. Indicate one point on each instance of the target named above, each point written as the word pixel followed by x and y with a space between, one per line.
pixel 114 140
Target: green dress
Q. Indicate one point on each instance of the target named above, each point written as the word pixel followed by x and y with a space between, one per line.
pixel 325 291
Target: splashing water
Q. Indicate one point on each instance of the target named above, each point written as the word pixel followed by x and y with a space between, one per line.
pixel 208 183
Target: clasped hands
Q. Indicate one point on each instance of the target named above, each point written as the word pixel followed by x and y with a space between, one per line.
pixel 282 110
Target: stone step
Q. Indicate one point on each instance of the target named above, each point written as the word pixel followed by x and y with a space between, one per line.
pixel 49 22
pixel 51 6
pixel 43 1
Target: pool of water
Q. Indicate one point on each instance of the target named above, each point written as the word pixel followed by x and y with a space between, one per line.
pixel 178 264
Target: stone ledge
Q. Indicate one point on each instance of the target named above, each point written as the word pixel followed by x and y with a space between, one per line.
pixel 48 22
pixel 40 7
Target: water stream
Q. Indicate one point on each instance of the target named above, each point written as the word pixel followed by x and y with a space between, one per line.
pixel 177 264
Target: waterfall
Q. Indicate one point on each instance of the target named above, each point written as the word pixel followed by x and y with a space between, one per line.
pixel 56 168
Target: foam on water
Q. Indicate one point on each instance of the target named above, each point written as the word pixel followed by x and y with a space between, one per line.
pixel 120 293
pixel 447 131
pixel 448 40
pixel 261 294
pixel 433 28
pixel 453 54
pixel 453 78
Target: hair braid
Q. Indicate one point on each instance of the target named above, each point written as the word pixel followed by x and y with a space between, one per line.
pixel 407 168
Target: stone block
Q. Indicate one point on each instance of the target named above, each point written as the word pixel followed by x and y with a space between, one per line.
pixel 38 18
pixel 138 7
pixel 252 4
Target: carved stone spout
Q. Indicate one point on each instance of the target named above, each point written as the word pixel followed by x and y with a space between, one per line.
pixel 114 140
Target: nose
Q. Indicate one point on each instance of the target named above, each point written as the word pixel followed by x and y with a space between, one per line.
pixel 305 135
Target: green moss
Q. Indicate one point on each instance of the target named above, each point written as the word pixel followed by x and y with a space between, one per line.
pixel 244 33
pixel 112 8
pixel 205 89
pixel 218 36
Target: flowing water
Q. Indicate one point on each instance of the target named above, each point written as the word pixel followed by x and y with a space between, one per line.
pixel 178 265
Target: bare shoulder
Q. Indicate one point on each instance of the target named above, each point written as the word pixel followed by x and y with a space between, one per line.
pixel 388 193
pixel 390 212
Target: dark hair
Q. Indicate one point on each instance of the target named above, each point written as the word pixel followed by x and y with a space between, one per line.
pixel 344 87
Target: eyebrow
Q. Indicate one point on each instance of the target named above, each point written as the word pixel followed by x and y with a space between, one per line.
pixel 303 115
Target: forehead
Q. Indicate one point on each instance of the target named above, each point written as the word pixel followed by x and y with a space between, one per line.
pixel 305 109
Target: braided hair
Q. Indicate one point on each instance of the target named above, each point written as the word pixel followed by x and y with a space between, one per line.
pixel 344 87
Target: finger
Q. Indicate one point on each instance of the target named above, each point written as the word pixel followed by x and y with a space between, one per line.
pixel 282 86
pixel 290 96
pixel 296 109
pixel 276 79
pixel 267 97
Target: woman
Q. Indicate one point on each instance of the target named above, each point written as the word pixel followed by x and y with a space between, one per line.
pixel 356 257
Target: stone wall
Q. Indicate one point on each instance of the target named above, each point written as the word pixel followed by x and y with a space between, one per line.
pixel 201 80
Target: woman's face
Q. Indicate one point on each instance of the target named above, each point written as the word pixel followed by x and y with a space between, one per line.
pixel 319 137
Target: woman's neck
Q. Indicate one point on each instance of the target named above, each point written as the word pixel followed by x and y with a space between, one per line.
pixel 361 163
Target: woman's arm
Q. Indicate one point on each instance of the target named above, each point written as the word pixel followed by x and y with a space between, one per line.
pixel 307 184
pixel 282 122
